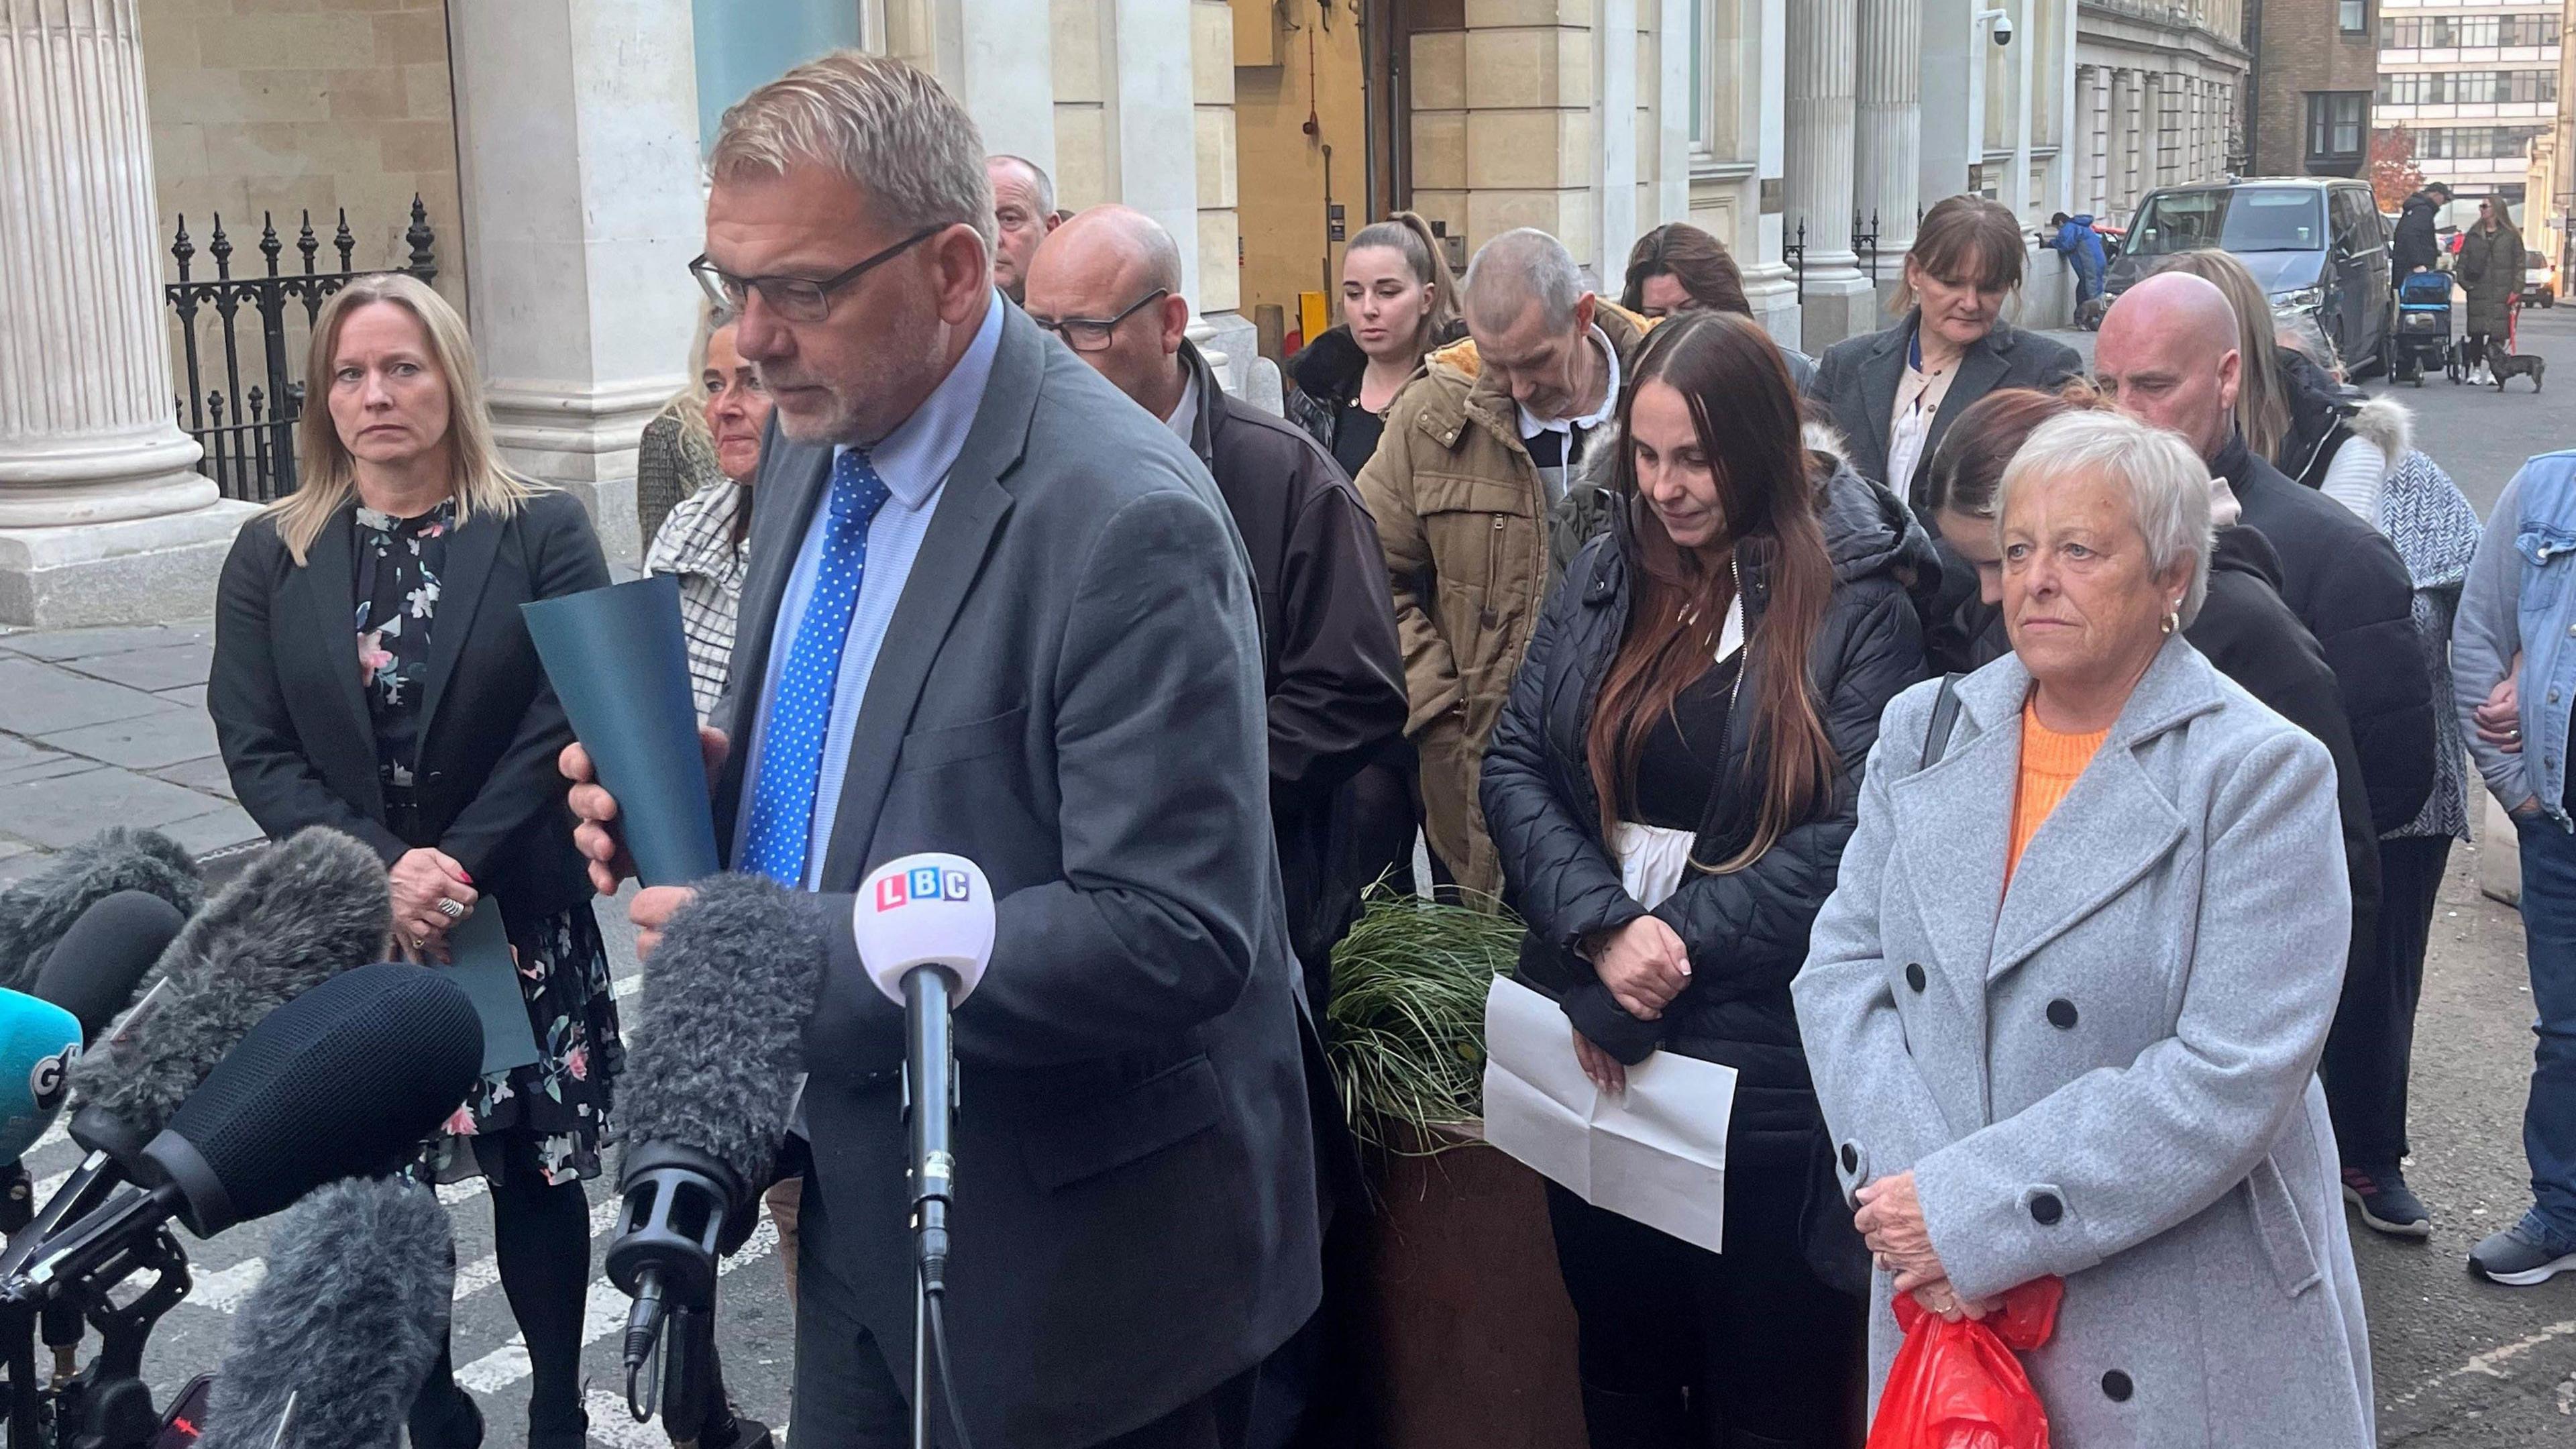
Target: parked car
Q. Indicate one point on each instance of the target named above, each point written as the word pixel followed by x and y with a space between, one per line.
pixel 2318 245
pixel 2540 276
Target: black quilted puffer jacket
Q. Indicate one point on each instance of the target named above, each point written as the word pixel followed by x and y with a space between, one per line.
pixel 1747 930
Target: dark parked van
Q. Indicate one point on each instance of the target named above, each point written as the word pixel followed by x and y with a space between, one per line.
pixel 2318 246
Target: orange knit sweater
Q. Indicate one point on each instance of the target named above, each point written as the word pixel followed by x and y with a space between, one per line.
pixel 2050 763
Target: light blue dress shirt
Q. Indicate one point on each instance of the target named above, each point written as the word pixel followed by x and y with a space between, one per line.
pixel 914 461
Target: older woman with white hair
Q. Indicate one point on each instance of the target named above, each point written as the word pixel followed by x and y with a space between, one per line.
pixel 2065 1004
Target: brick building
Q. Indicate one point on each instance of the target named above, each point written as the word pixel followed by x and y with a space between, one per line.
pixel 2316 67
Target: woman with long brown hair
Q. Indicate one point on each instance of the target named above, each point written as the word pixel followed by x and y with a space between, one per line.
pixel 1679 267
pixel 1669 790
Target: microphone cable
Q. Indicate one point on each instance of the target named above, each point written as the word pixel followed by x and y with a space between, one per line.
pixel 934 1300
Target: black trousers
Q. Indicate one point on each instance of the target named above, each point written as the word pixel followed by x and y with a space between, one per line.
pixel 847 1397
pixel 2371 1048
pixel 1680 1346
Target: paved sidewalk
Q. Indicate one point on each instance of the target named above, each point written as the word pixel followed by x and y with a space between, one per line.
pixel 103 727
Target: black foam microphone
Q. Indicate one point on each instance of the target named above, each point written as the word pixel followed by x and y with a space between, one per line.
pixel 302 912
pixel 344 1081
pixel 93 969
pixel 331 1348
pixel 35 912
pixel 706 1098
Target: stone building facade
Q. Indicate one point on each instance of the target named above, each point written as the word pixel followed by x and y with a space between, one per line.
pixel 556 145
pixel 2159 98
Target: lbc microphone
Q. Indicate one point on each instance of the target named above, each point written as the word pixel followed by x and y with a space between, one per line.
pixel 708 1090
pixel 925 929
pixel 302 912
pixel 35 912
pixel 92 971
pixel 346 1080
pixel 345 1326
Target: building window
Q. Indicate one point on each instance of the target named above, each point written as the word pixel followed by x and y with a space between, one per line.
pixel 2474 143
pixel 2353 16
pixel 2467 87
pixel 2337 121
pixel 2530 30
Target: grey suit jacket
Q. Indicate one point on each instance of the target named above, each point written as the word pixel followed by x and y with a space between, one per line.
pixel 1857 378
pixel 1069 694
pixel 2107 1072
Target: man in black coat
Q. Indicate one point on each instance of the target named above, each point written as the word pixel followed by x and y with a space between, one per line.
pixel 2418 246
pixel 2167 354
pixel 1108 282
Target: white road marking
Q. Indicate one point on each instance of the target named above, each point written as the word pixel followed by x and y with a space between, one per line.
pixel 2490 1364
pixel 224 1289
pixel 604 1314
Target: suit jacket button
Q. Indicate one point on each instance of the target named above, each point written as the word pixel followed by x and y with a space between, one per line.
pixel 2116 1387
pixel 1914 974
pixel 2061 1014
pixel 1851 1158
pixel 2045 1209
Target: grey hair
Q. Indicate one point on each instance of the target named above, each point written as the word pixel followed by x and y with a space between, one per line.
pixel 2167 482
pixel 1037 177
pixel 885 126
pixel 1518 267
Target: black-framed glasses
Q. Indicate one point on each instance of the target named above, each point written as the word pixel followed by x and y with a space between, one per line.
pixel 1092 334
pixel 798 299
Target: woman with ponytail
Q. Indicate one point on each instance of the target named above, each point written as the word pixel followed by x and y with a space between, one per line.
pixel 1669 790
pixel 1398 302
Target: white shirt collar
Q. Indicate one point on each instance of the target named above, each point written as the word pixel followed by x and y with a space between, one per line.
pixel 1184 418
pixel 915 458
pixel 1531 427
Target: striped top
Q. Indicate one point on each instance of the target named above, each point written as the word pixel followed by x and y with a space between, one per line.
pixel 2050 763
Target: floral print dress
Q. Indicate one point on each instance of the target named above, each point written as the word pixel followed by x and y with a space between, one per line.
pixel 561 1103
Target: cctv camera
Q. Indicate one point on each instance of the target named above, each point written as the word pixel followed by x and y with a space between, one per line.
pixel 2003 29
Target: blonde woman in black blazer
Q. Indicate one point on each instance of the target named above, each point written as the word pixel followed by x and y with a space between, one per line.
pixel 372 673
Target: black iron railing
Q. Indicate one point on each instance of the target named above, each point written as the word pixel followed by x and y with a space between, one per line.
pixel 248 432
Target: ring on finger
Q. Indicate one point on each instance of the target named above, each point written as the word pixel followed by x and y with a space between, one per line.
pixel 451 908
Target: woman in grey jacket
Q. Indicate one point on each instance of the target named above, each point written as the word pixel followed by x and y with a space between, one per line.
pixel 2065 1004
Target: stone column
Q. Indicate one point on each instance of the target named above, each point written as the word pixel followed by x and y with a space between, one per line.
pixel 2127 121
pixel 577 123
pixel 1762 28
pixel 1890 179
pixel 103 518
pixel 1822 100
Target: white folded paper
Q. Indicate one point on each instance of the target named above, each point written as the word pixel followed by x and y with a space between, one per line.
pixel 1656 1154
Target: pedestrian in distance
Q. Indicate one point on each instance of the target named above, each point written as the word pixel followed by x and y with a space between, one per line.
pixel 1894 394
pixel 704 542
pixel 2417 246
pixel 1678 267
pixel 2491 269
pixel 2514 675
pixel 1477 454
pixel 1399 303
pixel 2016 1089
pixel 2074 238
pixel 1024 212
pixel 996 609
pixel 1670 788
pixel 372 673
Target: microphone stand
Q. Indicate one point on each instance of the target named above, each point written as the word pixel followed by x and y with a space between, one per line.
pixel 17 1320
pixel 933 1113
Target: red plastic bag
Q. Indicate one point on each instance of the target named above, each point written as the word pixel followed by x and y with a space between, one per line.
pixel 1958 1386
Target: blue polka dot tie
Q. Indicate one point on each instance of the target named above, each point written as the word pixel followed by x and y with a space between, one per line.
pixel 780 837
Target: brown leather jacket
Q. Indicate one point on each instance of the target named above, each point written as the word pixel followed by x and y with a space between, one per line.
pixel 1464 520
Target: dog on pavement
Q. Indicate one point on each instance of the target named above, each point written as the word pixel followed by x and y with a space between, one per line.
pixel 2504 365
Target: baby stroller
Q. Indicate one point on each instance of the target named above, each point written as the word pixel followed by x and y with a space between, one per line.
pixel 2423 339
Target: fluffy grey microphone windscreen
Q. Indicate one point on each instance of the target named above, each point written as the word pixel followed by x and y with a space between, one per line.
pixel 36 911
pixel 301 913
pixel 725 1001
pixel 347 1322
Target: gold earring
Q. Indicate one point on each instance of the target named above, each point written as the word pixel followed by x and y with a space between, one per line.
pixel 2173 619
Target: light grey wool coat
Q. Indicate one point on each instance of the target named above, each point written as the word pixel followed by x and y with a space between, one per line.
pixel 2112 1076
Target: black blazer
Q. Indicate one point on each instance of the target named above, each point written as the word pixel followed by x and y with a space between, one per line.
pixel 292 717
pixel 1856 384
pixel 1070 695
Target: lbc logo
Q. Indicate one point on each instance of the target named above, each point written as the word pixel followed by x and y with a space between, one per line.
pixel 923 883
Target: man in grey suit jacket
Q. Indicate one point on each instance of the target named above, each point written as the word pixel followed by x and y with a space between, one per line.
pixel 1040 653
